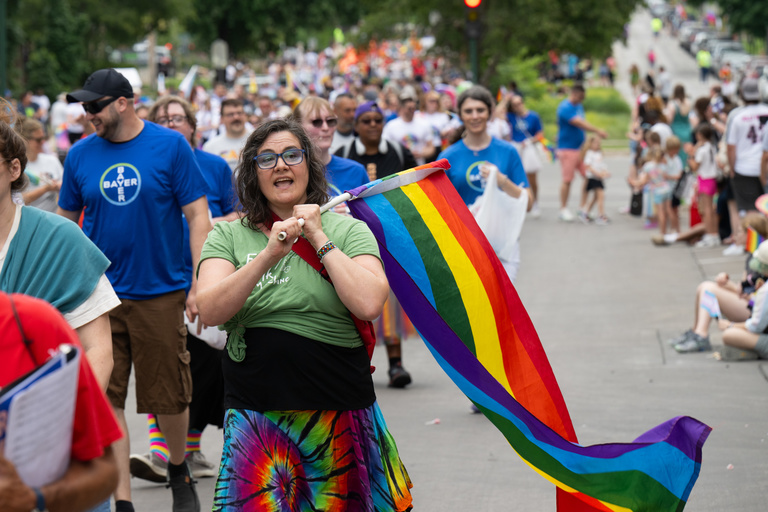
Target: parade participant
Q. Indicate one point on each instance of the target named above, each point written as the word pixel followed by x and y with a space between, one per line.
pixel 228 145
pixel 135 179
pixel 412 132
pixel 43 170
pixel 207 406
pixel 297 373
pixel 572 125
pixel 471 154
pixel 432 112
pixel 526 131
pixel 344 107
pixel 382 157
pixel 318 119
pixel 31 329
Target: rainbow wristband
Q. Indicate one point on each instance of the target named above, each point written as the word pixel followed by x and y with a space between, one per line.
pixel 328 247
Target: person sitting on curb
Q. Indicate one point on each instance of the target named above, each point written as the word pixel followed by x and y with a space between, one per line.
pixel 721 297
pixel 752 334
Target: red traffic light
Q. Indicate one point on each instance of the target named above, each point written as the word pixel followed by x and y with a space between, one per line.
pixel 472 3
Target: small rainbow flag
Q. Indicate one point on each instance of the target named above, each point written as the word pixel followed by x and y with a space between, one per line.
pixel 546 144
pixel 753 240
pixel 460 299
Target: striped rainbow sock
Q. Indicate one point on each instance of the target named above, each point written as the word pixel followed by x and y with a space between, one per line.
pixel 157 443
pixel 193 440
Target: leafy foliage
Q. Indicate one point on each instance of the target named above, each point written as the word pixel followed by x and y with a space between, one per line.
pixel 750 16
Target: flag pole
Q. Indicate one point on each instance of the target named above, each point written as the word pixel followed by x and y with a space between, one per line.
pixel 346 196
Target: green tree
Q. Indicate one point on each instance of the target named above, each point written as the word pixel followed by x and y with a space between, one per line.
pixel 748 16
pixel 258 26
pixel 584 27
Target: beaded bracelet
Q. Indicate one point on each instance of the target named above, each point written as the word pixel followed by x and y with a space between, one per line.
pixel 328 247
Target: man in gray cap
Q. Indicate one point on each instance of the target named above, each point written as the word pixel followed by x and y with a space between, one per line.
pixel 744 136
pixel 134 180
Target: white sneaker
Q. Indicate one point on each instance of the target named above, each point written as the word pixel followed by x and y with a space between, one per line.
pixel 199 466
pixel 535 211
pixel 670 238
pixel 733 250
pixel 709 240
pixel 566 215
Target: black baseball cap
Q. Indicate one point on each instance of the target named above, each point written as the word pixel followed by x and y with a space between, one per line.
pixel 104 82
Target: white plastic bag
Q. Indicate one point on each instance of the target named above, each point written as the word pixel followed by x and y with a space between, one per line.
pixel 500 216
pixel 531 157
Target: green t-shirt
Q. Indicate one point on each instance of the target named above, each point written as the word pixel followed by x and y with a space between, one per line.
pixel 292 295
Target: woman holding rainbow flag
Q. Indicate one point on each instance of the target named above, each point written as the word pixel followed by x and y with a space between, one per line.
pixel 294 289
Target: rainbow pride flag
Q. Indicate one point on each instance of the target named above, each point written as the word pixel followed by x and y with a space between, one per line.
pixel 460 299
pixel 753 240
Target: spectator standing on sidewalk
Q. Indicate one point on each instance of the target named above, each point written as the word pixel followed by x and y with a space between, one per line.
pixel 527 130
pixel 572 125
pixel 744 137
pixel 135 179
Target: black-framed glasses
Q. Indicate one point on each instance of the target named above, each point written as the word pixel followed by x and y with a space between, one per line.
pixel 330 121
pixel 292 156
pixel 94 107
pixel 164 121
pixel 372 120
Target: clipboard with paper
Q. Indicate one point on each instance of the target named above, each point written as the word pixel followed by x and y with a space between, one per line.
pixel 37 413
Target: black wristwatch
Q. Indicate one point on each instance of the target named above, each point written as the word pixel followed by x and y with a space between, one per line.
pixel 40 501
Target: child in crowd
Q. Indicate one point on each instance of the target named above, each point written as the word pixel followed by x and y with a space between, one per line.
pixel 652 141
pixel 654 177
pixel 596 172
pixel 702 162
pixel 674 173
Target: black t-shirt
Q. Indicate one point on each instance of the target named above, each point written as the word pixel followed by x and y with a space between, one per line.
pixel 384 163
pixel 283 371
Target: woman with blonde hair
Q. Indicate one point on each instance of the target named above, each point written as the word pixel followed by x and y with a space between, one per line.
pixel 43 170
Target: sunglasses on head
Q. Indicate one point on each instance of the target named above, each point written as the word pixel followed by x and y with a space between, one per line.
pixel 372 120
pixel 94 107
pixel 330 121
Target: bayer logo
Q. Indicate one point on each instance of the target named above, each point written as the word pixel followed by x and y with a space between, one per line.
pixel 120 184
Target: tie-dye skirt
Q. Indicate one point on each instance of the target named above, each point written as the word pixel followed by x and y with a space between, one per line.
pixel 299 461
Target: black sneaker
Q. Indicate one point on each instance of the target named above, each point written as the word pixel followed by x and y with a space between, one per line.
pixel 398 376
pixel 184 493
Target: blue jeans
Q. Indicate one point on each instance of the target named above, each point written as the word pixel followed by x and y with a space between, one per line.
pixel 101 507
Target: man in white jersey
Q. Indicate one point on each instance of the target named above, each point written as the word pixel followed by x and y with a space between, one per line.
pixel 744 136
pixel 412 132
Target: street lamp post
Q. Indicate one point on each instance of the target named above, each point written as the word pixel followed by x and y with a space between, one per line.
pixel 473 32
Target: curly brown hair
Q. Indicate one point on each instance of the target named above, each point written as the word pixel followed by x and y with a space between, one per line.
pixel 254 203
pixel 12 144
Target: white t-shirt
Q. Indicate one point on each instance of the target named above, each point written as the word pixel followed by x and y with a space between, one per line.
pixel 415 135
pixel 674 166
pixel 745 133
pixel 705 157
pixel 438 121
pixel 227 148
pixel 74 111
pixel 102 300
pixel 41 172
pixel 593 161
pixel 499 128
pixel 664 132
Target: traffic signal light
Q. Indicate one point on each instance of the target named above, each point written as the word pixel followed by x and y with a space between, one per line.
pixel 473 27
pixel 472 3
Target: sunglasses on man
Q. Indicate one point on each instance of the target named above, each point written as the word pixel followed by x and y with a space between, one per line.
pixel 94 107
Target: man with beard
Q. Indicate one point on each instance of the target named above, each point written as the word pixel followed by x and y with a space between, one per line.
pixel 229 144
pixel 135 179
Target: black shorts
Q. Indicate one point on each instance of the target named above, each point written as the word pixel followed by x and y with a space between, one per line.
pixel 746 190
pixel 594 184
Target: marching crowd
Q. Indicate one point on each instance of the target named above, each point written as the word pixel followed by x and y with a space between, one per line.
pixel 235 181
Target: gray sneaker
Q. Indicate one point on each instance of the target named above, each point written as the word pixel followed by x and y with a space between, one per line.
pixel 148 466
pixel 695 343
pixel 199 466
pixel 679 339
pixel 185 497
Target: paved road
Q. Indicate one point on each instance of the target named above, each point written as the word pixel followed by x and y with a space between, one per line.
pixel 603 300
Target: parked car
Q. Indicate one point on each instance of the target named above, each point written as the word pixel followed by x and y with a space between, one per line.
pixel 722 47
pixel 688 42
pixel 700 39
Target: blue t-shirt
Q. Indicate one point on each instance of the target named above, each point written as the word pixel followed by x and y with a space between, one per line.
pixel 344 174
pixel 569 137
pixel 220 195
pixel 524 127
pixel 465 173
pixel 132 193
